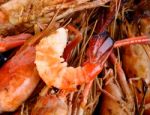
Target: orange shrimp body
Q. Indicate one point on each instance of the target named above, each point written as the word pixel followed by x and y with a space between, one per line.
pixel 52 68
pixel 18 79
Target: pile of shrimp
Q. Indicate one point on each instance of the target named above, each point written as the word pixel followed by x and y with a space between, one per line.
pixel 74 57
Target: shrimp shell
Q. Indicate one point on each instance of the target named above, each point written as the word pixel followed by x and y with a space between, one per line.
pixel 54 71
pixel 50 105
pixel 50 66
pixel 18 80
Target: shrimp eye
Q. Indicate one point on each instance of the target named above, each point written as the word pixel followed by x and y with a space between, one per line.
pixel 54 90
pixel 3 59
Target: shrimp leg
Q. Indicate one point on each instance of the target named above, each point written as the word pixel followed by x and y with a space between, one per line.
pixel 73 43
pixel 10 42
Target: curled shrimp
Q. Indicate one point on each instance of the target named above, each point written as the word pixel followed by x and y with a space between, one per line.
pixel 54 71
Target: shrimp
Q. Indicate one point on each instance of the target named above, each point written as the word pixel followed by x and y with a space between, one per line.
pixel 54 71
pixel 122 97
pixel 19 75
pixel 51 104
pixel 115 104
pixel 136 65
pixel 44 103
pixel 116 92
pixel 18 79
